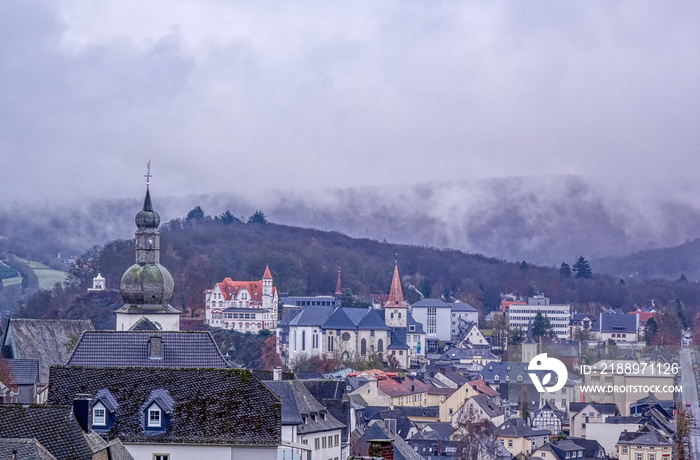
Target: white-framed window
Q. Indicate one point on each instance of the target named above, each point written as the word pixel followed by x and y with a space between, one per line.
pixel 161 456
pixel 154 416
pixel 99 415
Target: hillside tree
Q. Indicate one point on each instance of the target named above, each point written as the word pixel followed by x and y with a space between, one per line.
pixel 258 217
pixel 582 268
pixel 565 270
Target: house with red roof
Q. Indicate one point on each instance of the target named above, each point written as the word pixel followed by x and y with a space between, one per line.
pixel 242 305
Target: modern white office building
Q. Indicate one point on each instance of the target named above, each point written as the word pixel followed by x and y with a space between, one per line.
pixel 559 315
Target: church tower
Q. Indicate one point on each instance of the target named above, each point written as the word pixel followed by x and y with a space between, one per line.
pixel 267 292
pixel 147 286
pixel 396 308
pixel 529 346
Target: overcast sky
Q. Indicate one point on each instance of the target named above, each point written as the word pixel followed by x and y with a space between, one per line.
pixel 245 97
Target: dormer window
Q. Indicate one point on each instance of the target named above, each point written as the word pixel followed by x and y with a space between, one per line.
pixel 155 419
pixel 99 415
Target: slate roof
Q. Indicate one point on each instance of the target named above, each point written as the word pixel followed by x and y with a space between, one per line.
pixel 591 447
pixel 403 423
pixel 644 438
pixel 312 316
pixel 443 429
pixel 287 318
pixel 517 428
pixel 325 389
pixel 107 400
pixel 603 408
pixel 339 320
pixel 488 406
pixel 23 371
pixel 398 339
pixel 132 349
pixel 53 426
pixel 26 448
pixel 144 324
pixel 371 320
pixel 213 406
pixel 356 382
pixel 564 349
pixel 615 322
pixel 547 407
pixel 410 411
pixel 49 341
pixel 402 451
pixel 431 303
pixel 298 403
pixel 457 354
pixel 461 306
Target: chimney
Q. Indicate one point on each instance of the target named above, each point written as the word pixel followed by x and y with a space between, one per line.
pixel 277 373
pixel 156 347
pixel 82 411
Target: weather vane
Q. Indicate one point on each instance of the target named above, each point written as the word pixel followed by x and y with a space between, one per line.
pixel 148 173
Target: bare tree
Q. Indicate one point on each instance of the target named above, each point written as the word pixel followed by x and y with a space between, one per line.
pixel 474 433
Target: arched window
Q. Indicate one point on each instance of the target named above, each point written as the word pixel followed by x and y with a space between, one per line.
pixel 392 316
pixel 496 378
pixel 399 315
pixel 380 345
pixel 363 347
pixel 303 340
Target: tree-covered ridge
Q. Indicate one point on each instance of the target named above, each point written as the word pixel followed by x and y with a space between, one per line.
pixel 200 250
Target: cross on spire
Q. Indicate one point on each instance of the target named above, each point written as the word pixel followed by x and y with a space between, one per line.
pixel 148 173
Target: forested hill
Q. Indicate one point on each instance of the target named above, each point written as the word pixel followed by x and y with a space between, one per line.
pixel 669 263
pixel 200 251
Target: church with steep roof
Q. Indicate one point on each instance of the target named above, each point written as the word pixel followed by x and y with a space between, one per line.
pixel 242 305
pixel 147 286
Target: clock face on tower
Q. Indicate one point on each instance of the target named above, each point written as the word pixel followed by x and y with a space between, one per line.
pixel 395 310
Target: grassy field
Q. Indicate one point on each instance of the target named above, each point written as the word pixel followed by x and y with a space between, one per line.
pixel 47 276
pixel 12 281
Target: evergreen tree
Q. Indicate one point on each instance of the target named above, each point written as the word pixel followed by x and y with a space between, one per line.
pixel 582 268
pixel 651 328
pixel 542 327
pixel 195 214
pixel 257 218
pixel 227 218
pixel 565 270
pixel 523 265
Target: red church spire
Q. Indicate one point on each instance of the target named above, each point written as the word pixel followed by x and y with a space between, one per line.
pixel 338 289
pixel 267 275
pixel 395 293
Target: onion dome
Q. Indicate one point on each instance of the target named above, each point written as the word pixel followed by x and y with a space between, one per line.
pixel 149 284
pixel 147 218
